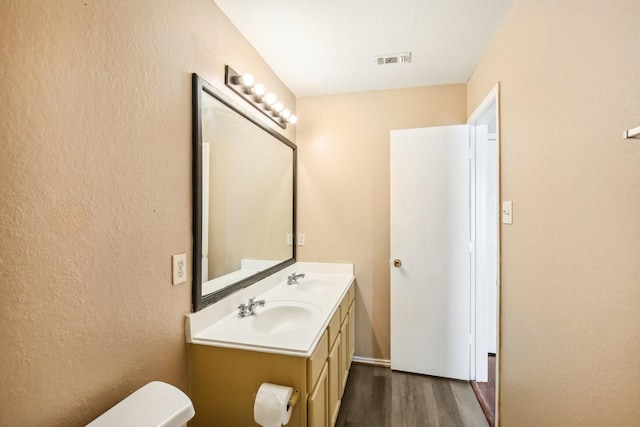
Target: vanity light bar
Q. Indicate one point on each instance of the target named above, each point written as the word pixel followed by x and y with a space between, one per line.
pixel 255 94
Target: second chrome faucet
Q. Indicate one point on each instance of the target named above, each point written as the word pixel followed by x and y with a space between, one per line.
pixel 293 279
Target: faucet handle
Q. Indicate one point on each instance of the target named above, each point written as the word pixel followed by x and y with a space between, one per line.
pixel 242 310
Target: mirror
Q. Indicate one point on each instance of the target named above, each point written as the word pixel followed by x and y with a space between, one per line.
pixel 243 197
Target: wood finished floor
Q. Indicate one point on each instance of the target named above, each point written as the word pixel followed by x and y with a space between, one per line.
pixel 486 393
pixel 380 397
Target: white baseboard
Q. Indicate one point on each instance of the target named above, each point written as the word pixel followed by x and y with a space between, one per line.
pixel 370 361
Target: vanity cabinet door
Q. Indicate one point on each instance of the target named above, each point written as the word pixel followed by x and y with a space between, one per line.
pixel 344 355
pixel 318 401
pixel 334 381
pixel 335 385
pixel 351 335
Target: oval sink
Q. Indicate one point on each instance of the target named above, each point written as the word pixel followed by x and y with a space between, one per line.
pixel 278 317
pixel 314 285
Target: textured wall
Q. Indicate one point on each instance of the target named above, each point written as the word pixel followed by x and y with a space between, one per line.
pixel 95 166
pixel 570 84
pixel 343 187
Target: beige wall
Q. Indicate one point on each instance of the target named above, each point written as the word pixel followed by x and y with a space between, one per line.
pixel 95 166
pixel 570 84
pixel 343 187
pixel 95 158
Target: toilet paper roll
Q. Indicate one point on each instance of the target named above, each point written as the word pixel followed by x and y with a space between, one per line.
pixel 270 408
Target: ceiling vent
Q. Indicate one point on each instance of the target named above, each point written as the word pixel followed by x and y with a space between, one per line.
pixel 396 58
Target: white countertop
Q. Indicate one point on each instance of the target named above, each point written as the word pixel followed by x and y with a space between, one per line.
pixel 219 324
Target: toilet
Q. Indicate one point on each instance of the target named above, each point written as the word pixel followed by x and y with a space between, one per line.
pixel 156 404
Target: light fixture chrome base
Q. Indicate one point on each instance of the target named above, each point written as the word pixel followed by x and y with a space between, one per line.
pixel 233 80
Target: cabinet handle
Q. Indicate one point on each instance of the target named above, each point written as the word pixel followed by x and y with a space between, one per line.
pixel 397 263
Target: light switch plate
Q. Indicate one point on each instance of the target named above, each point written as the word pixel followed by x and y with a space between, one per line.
pixel 507 212
pixel 179 268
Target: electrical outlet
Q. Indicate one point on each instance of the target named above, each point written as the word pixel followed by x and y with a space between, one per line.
pixel 300 240
pixel 289 239
pixel 179 268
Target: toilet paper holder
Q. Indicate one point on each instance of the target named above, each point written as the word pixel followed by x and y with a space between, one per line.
pixel 293 399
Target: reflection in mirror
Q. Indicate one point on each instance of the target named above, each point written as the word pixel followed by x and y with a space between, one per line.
pixel 244 189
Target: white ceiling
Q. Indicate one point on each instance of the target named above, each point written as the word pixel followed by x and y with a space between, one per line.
pixel 320 47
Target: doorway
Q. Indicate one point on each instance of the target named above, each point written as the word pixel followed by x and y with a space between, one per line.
pixel 445 249
pixel 485 231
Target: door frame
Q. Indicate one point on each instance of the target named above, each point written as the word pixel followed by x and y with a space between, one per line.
pixel 478 117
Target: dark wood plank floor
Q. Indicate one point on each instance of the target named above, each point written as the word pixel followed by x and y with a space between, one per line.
pixel 379 397
pixel 486 393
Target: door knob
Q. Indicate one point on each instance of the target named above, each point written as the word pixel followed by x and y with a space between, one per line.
pixel 397 263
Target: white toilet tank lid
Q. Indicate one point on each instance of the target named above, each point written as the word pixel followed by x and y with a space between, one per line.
pixel 156 404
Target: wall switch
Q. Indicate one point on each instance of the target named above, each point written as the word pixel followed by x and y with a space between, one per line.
pixel 179 268
pixel 289 239
pixel 300 240
pixel 507 212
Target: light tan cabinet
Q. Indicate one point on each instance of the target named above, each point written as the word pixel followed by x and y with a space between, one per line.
pixel 225 381
pixel 344 355
pixel 351 335
pixel 335 385
pixel 347 333
pixel 318 401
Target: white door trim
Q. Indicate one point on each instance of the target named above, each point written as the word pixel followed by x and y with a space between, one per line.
pixel 492 97
pixel 491 100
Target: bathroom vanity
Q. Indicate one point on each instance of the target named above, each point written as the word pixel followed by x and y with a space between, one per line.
pixel 303 337
pixel 298 335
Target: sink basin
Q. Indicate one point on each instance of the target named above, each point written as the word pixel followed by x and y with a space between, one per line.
pixel 278 317
pixel 314 285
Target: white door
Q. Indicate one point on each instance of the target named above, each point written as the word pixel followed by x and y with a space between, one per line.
pixel 430 230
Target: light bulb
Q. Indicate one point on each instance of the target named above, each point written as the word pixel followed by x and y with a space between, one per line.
pixel 270 99
pixel 293 120
pixel 258 89
pixel 285 114
pixel 247 79
pixel 278 107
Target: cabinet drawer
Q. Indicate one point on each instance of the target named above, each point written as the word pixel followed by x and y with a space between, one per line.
pixel 344 308
pixel 352 293
pixel 316 362
pixel 334 327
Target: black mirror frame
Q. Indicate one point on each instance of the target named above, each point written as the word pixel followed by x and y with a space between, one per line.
pixel 200 301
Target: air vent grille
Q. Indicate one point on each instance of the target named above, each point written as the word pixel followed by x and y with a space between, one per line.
pixel 396 58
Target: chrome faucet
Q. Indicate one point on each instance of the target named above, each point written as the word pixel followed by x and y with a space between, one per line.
pixel 293 279
pixel 249 309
